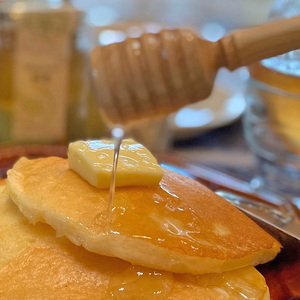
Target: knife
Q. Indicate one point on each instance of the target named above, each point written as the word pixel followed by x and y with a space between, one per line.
pixel 286 221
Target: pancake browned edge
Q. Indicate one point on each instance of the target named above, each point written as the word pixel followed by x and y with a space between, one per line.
pixel 35 265
pixel 179 226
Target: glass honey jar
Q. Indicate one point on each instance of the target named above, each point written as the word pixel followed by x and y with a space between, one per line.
pixel 45 93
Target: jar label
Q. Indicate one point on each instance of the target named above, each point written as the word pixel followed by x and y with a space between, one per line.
pixel 41 81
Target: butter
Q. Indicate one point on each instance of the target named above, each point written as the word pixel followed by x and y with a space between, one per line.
pixel 93 161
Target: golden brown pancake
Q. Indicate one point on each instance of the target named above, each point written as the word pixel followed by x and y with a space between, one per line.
pixel 36 265
pixel 178 226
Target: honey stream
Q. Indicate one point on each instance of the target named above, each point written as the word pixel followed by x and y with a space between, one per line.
pixel 136 282
pixel 117 135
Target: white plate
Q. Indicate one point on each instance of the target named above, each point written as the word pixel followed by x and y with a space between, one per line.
pixel 221 108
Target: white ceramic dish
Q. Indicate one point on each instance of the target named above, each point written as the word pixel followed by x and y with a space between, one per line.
pixel 221 108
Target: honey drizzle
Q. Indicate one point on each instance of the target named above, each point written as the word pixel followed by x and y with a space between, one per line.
pixel 136 280
pixel 117 135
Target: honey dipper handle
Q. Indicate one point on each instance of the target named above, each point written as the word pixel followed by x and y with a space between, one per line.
pixel 250 45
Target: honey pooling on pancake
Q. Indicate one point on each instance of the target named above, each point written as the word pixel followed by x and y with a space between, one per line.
pixel 161 218
pixel 135 282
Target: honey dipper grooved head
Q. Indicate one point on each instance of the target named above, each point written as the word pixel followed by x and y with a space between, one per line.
pixel 153 75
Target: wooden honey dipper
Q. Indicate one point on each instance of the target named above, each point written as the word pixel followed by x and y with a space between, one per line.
pixel 157 74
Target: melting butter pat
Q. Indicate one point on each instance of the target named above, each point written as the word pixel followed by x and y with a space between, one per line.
pixel 93 161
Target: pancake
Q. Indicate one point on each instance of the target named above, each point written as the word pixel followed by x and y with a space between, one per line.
pixel 35 265
pixel 179 226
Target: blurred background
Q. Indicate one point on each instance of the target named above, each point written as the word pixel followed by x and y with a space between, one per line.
pixel 46 84
pixel 45 89
pixel 228 13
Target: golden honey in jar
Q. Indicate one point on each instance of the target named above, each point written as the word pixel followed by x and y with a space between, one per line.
pixel 272 127
pixel 44 88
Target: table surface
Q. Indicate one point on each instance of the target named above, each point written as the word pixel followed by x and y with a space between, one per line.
pixel 224 148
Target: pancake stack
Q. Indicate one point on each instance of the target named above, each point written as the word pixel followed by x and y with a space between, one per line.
pixel 176 240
